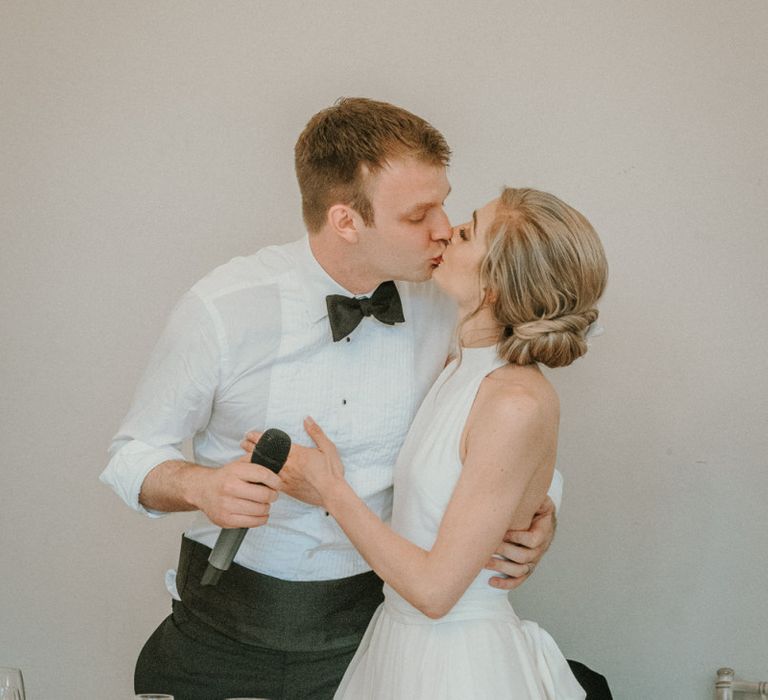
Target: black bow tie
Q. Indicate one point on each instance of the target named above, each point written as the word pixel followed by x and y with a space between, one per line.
pixel 345 313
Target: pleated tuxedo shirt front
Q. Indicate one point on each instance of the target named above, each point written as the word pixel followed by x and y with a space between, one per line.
pixel 249 347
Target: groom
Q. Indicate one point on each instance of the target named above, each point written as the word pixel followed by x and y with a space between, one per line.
pixel 256 344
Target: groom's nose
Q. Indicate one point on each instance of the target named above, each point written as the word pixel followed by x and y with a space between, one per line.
pixel 441 229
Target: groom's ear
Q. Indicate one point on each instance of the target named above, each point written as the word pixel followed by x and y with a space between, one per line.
pixel 342 220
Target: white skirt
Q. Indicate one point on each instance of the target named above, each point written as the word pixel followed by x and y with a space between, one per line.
pixel 407 657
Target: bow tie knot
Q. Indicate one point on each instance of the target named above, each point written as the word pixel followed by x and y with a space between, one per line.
pixel 346 313
pixel 366 306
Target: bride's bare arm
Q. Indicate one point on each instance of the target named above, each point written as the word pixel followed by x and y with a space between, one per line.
pixel 510 443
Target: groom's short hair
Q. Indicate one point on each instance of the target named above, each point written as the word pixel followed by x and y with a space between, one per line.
pixel 344 144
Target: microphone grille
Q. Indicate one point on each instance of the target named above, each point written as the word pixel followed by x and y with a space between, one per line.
pixel 275 443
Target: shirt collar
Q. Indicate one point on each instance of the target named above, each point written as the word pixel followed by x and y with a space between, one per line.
pixel 316 283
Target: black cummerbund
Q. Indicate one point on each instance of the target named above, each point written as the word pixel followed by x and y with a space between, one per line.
pixel 269 612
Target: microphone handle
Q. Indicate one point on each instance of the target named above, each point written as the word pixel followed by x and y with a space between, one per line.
pixel 226 546
pixel 230 539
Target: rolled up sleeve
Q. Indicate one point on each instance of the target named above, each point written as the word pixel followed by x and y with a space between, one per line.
pixel 173 400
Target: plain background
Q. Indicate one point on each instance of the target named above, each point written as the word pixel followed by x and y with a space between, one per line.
pixel 144 143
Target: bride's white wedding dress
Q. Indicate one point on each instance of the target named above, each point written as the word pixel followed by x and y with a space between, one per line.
pixel 480 649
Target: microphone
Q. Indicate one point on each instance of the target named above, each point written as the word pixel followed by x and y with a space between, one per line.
pixel 270 451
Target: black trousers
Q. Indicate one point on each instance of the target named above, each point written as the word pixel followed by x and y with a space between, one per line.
pixel 595 685
pixel 256 635
pixel 191 661
pixel 225 642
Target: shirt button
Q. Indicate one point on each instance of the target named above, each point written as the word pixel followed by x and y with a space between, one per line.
pixel 349 340
pixel 344 402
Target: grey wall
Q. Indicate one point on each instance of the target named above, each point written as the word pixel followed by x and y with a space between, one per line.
pixel 143 143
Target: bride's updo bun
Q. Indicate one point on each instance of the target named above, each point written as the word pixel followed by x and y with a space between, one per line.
pixel 544 272
pixel 556 342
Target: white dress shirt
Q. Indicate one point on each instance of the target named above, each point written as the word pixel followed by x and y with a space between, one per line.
pixel 250 347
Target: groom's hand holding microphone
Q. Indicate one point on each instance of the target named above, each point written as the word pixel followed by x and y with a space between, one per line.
pixel 239 494
pixel 268 457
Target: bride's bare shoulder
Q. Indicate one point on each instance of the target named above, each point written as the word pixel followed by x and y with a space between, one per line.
pixel 515 391
pixel 516 412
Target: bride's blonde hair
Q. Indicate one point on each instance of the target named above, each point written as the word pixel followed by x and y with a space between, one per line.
pixel 544 272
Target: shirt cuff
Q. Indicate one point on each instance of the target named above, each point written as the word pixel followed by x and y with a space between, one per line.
pixel 128 468
pixel 556 490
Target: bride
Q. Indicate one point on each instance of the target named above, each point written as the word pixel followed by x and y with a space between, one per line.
pixel 526 272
